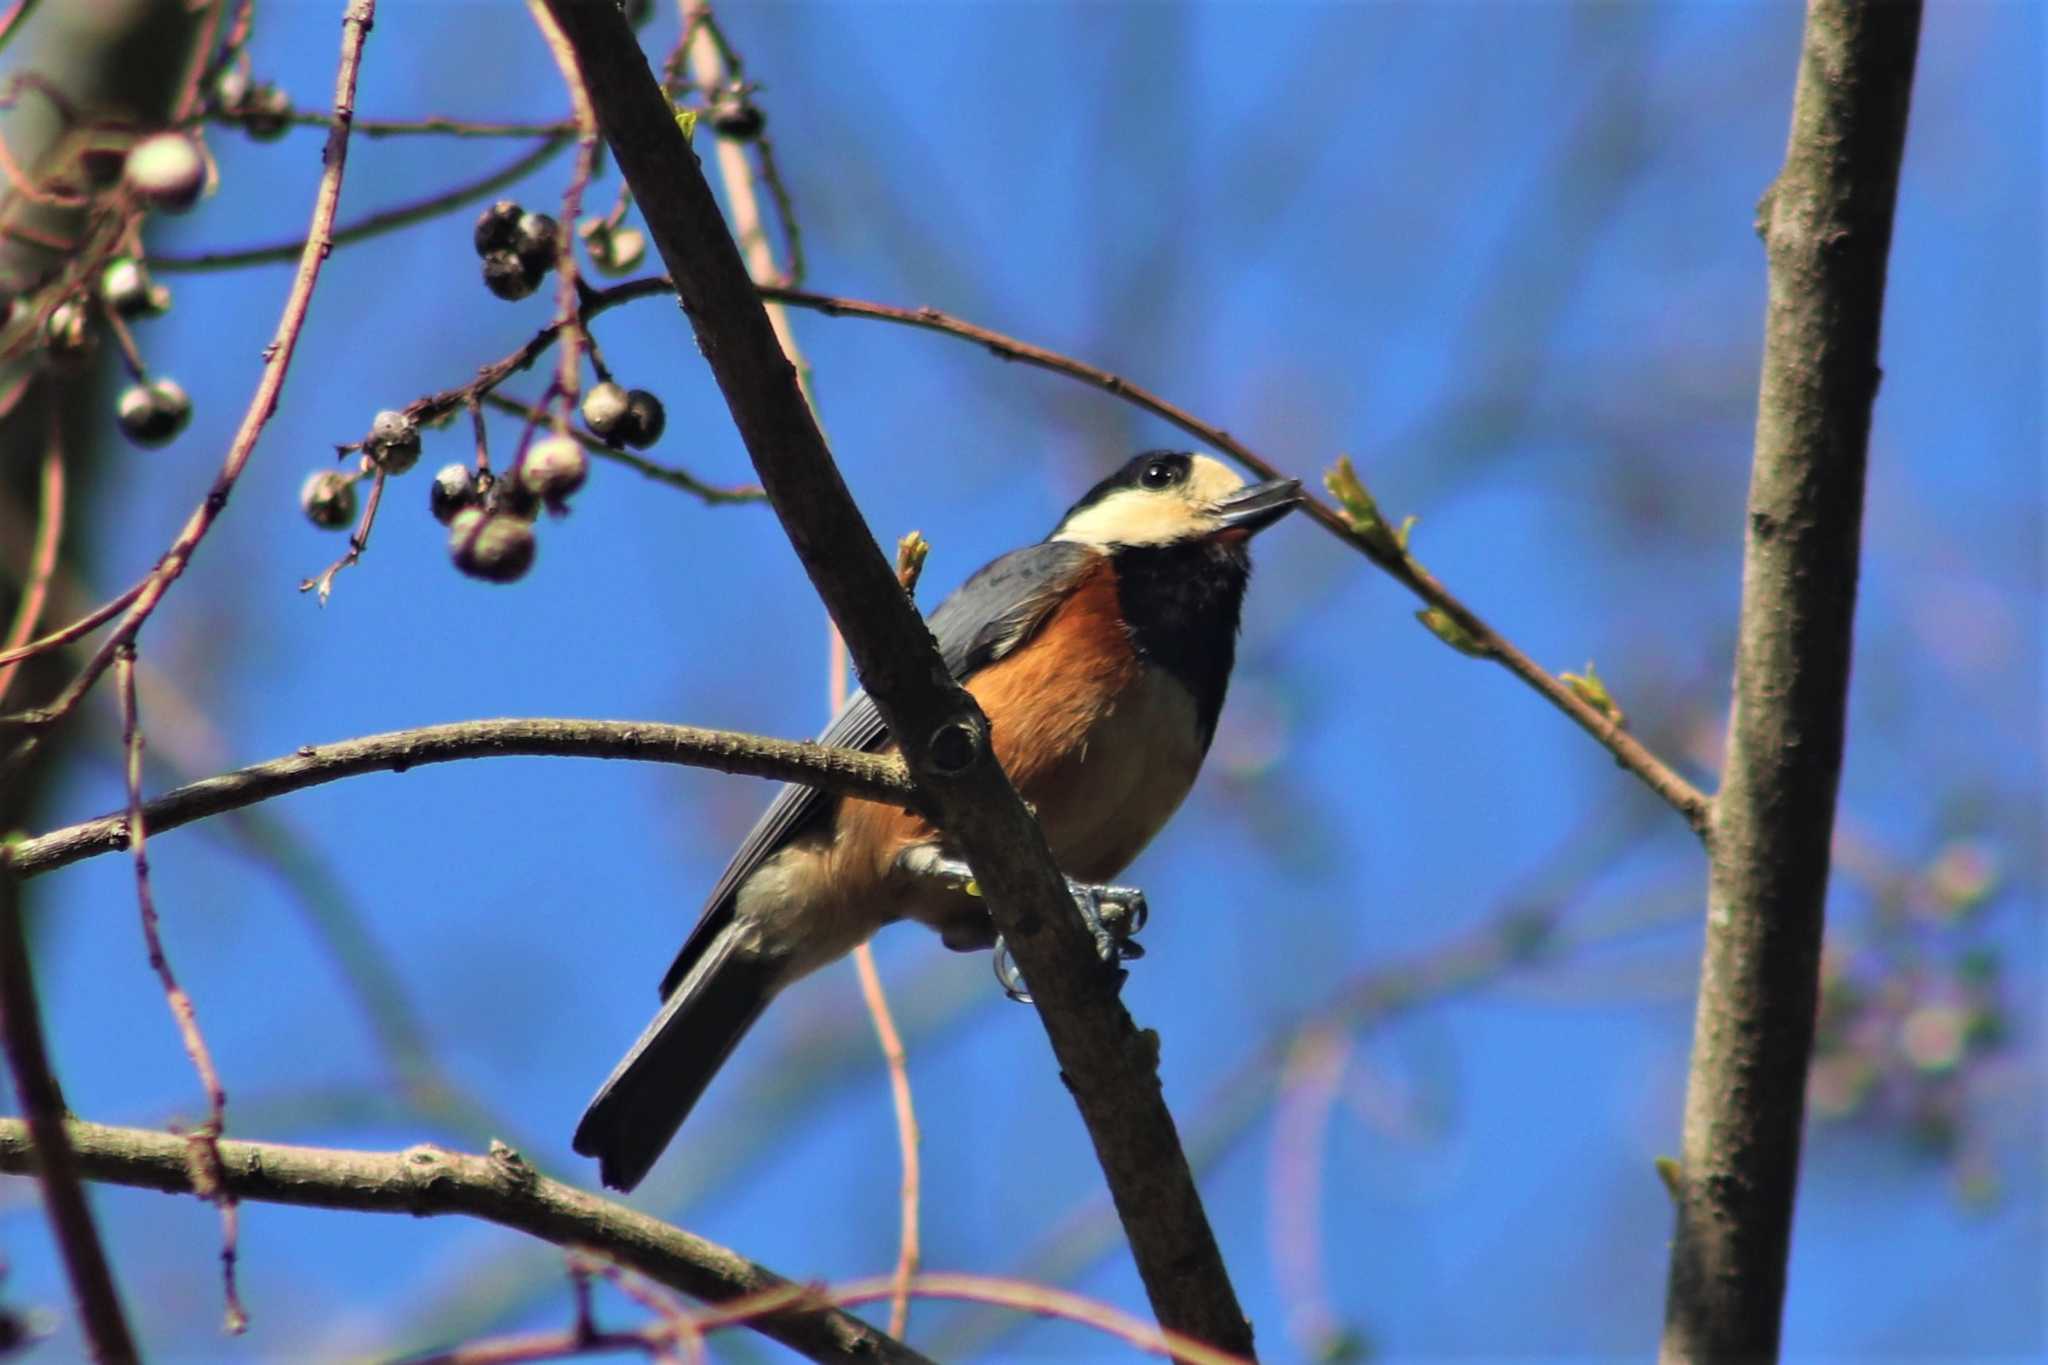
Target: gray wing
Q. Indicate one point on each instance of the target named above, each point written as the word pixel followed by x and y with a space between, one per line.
pixel 985 618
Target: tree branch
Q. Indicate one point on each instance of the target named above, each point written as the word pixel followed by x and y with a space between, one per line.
pixel 319 243
pixel 1827 224
pixel 426 1181
pixel 1109 1066
pixel 1630 752
pixel 878 777
pixel 47 1151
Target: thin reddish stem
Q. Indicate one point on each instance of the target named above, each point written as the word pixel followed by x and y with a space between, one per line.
pixel 355 28
pixel 42 560
pixel 207 1178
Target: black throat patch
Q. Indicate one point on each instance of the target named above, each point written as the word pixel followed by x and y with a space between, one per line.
pixel 1182 603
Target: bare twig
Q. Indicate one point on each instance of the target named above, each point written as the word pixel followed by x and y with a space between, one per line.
pixel 710 494
pixel 569 371
pixel 714 64
pixel 874 776
pixel 42 558
pixel 909 1242
pixel 1628 751
pixel 28 188
pixel 499 1188
pixel 11 20
pixel 1109 1066
pixel 46 1148
pixel 439 126
pixel 373 225
pixel 910 557
pixel 1041 1301
pixel 84 625
pixel 1827 225
pixel 561 1344
pixel 1015 1295
pixel 1303 1109
pixel 358 541
pixel 355 28
pixel 205 1154
pixel 435 406
pixel 1526 929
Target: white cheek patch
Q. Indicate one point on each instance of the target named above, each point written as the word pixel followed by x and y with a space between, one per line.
pixel 1144 516
pixel 1209 480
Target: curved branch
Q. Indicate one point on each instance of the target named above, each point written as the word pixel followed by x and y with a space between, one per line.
pixel 500 1188
pixel 877 777
pixel 1484 640
pixel 371 225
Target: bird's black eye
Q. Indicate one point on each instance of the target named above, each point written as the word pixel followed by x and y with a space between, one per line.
pixel 1162 474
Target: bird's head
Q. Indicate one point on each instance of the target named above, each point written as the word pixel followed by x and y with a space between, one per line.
pixel 1167 497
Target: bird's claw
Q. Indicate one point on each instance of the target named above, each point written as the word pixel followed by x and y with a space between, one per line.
pixel 1007 975
pixel 1114 915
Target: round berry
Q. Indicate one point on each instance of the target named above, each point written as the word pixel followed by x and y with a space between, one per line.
pixel 509 496
pixel 266 114
pixel 605 410
pixel 151 414
pixel 645 420
pixel 393 444
pixel 497 227
pixel 231 90
pixel 328 498
pixel 613 250
pixel 165 171
pixel 127 289
pixel 491 545
pixel 737 117
pixel 538 238
pixel 554 468
pixel 67 337
pixel 453 489
pixel 507 276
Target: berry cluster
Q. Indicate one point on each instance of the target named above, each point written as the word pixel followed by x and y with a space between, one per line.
pixel 518 248
pixel 623 417
pixel 263 110
pixel 158 172
pixel 490 518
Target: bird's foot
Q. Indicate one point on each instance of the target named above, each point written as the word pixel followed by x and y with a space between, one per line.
pixel 1113 914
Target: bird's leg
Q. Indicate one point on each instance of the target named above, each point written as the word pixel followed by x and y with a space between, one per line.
pixel 1113 914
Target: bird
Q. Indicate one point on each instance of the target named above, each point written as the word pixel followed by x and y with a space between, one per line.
pixel 1100 656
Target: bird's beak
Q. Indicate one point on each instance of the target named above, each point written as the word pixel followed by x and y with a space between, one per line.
pixel 1257 506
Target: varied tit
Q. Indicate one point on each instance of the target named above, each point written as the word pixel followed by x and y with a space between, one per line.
pixel 1100 656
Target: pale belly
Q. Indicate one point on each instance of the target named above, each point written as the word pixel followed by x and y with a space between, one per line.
pixel 1123 782
pixel 1099 808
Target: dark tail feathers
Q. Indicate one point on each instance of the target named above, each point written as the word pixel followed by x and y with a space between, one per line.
pixel 652 1090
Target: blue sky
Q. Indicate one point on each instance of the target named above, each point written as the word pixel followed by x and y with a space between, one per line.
pixel 1500 254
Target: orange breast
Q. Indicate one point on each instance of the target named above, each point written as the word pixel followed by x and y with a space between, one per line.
pixel 1103 748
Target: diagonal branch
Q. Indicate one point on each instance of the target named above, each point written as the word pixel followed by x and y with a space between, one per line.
pixel 1827 225
pixel 500 1188
pixel 878 777
pixel 1110 1067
